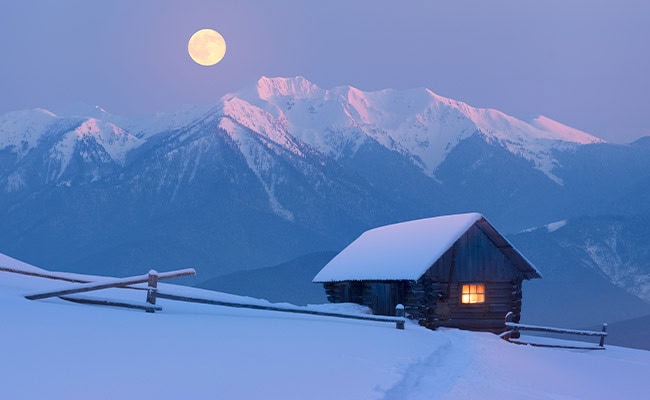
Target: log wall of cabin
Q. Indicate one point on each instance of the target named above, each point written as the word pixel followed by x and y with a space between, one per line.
pixel 380 296
pixel 500 298
pixel 429 303
pixel 475 258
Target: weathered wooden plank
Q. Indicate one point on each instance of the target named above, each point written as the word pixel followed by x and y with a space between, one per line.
pixel 471 323
pixel 44 275
pixel 602 337
pixel 192 299
pixel 112 303
pixel 118 282
pixel 495 316
pixel 523 327
pixel 557 346
pixel 480 258
pixel 152 288
pixel 498 306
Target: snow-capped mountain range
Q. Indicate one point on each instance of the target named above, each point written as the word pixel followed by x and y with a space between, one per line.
pixel 417 123
pixel 284 168
pixel 293 113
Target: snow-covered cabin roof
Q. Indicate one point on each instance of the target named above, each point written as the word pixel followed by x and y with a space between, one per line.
pixel 405 251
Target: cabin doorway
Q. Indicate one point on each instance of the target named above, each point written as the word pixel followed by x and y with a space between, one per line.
pixel 384 298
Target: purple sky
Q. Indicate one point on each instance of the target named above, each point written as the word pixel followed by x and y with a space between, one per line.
pixel 585 63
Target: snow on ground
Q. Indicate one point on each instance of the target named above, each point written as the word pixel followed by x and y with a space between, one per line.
pixel 59 350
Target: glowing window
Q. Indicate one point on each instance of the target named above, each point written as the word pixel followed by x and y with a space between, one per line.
pixel 473 293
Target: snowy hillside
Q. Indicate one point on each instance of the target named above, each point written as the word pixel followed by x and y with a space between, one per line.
pixel 22 130
pixel 202 351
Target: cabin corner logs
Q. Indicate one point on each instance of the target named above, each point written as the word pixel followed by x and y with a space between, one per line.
pixel 480 257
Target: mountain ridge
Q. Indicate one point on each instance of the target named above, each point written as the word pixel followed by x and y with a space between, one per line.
pixel 425 126
pixel 351 117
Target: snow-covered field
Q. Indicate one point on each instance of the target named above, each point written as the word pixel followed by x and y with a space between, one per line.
pixel 58 350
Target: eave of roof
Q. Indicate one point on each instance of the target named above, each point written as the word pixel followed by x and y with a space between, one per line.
pixel 405 251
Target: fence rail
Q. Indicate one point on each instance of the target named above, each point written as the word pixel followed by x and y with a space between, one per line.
pixel 398 321
pixel 113 303
pixel 515 328
pixel 111 283
pixel 44 274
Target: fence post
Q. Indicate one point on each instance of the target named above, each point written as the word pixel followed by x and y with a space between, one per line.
pixel 152 288
pixel 509 316
pixel 513 332
pixel 399 312
pixel 602 338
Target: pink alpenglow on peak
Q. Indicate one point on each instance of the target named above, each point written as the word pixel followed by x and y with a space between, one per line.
pixel 115 140
pixel 91 126
pixel 563 132
pixel 268 88
pixel 417 123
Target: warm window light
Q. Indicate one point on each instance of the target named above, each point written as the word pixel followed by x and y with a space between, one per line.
pixel 473 293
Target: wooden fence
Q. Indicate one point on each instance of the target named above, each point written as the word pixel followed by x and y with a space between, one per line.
pixel 515 328
pixel 153 293
pixel 112 283
pixel 71 293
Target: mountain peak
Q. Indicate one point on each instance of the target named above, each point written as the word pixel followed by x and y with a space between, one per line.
pixel 416 122
pixel 22 130
pixel 563 132
pixel 92 127
pixel 280 87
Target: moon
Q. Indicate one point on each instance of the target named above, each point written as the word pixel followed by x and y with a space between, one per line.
pixel 206 47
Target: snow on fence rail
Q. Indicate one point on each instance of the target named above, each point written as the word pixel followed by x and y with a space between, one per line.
pixel 45 274
pixel 399 320
pixel 111 283
pixel 515 328
pixel 153 292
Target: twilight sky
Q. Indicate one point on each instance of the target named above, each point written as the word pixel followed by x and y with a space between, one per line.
pixel 585 63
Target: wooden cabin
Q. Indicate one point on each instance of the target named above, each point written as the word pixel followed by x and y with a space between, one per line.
pixel 452 271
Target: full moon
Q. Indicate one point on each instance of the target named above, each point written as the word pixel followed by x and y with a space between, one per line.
pixel 206 47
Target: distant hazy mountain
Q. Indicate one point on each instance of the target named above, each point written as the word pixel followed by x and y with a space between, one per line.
pixel 596 269
pixel 288 282
pixel 630 333
pixel 284 168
